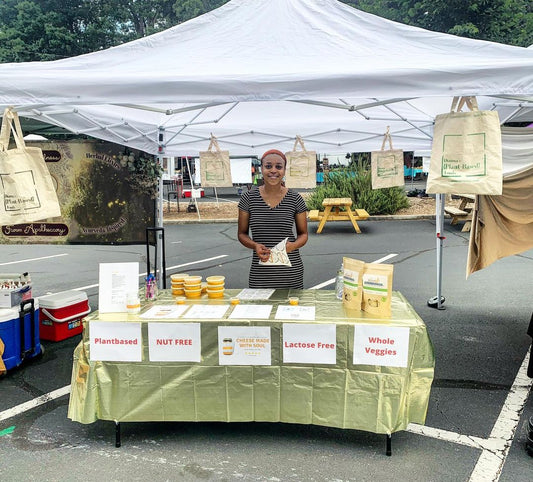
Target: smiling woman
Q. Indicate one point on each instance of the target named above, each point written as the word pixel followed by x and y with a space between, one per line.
pixel 271 212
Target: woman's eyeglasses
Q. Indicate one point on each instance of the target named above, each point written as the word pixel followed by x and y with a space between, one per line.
pixel 279 167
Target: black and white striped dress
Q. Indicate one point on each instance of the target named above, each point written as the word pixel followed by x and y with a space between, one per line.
pixel 269 226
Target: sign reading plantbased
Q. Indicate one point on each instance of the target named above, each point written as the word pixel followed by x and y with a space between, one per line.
pixel 466 156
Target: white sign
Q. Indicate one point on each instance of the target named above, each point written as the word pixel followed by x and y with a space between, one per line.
pixel 197 312
pixel 115 341
pixel 164 311
pixel 310 343
pixel 255 294
pixel 292 312
pixel 116 281
pixel 386 346
pixel 244 345
pixel 249 312
pixel 174 342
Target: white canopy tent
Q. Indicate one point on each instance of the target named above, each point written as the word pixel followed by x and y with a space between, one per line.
pixel 255 73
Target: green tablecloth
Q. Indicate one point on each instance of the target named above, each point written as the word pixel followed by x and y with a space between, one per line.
pixel 378 399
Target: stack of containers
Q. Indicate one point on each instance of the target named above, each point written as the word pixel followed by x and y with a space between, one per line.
pixel 215 286
pixel 193 286
pixel 177 283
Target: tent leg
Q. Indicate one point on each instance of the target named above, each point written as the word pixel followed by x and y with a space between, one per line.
pixel 159 224
pixel 437 301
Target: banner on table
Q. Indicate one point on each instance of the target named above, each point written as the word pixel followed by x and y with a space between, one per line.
pixel 310 343
pixel 244 345
pixel 179 342
pixel 386 346
pixel 115 341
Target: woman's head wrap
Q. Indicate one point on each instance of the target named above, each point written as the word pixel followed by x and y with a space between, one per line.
pixel 274 151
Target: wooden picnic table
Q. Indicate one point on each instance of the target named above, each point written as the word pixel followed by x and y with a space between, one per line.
pixel 338 209
pixel 463 212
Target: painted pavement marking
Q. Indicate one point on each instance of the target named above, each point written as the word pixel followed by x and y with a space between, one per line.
pixel 34 259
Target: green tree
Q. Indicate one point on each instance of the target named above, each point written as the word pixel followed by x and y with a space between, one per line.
pixel 504 21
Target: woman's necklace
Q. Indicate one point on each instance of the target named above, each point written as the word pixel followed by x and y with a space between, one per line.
pixel 272 199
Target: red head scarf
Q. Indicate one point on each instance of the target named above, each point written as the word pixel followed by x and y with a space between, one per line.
pixel 274 151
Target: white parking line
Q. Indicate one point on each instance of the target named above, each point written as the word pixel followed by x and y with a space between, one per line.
pixel 34 259
pixel 332 280
pixel 24 407
pixel 490 464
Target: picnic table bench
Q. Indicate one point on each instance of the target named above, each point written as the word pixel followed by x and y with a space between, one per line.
pixel 338 209
pixel 463 212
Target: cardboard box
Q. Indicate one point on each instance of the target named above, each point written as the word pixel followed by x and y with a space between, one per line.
pixel 11 298
pixel 61 314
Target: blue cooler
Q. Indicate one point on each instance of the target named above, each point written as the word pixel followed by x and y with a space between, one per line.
pixel 19 330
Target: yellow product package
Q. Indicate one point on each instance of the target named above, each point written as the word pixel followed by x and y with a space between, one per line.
pixel 352 278
pixel 377 289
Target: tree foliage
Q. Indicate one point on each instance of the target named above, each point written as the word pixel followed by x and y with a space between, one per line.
pixel 54 29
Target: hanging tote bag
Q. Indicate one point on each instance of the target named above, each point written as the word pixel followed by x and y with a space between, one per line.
pixel 215 167
pixel 301 166
pixel 466 156
pixel 387 165
pixel 26 187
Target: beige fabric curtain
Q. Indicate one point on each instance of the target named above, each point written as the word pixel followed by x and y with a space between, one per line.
pixel 502 225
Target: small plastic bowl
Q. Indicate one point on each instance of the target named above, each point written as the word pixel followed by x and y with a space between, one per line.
pixel 195 287
pixel 178 292
pixel 178 278
pixel 293 300
pixel 180 300
pixel 234 300
pixel 215 294
pixel 215 280
pixel 215 288
pixel 193 294
pixel 192 280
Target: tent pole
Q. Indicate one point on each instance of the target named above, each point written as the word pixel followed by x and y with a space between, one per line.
pixel 437 301
pixel 159 211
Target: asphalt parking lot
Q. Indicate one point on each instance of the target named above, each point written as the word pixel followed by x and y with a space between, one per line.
pixel 479 406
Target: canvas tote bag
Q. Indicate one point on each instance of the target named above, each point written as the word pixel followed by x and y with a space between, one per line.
pixel 215 167
pixel 387 165
pixel 466 156
pixel 26 188
pixel 301 166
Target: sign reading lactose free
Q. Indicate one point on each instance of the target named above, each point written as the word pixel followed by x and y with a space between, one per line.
pixel 309 343
pixel 381 345
pixel 115 341
pixel 244 345
pixel 174 342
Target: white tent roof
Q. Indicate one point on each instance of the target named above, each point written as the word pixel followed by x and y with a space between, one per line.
pixel 257 72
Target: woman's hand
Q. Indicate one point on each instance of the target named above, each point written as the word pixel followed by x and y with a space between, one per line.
pixel 262 251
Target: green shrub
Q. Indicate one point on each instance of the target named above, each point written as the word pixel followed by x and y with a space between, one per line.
pixel 356 183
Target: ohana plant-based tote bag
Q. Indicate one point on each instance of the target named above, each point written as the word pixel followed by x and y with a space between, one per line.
pixel 387 165
pixel 26 188
pixel 466 156
pixel 215 167
pixel 301 166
